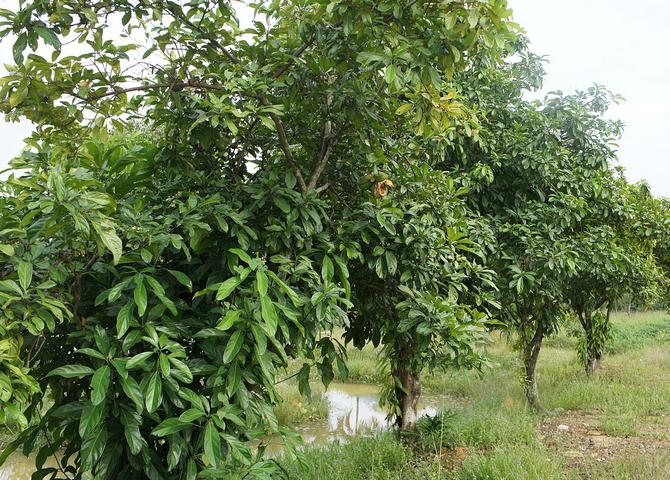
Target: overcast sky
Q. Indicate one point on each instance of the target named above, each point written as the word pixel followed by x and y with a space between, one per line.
pixel 618 43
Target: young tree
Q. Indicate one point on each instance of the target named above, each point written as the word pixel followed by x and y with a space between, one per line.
pixel 420 289
pixel 615 259
pixel 532 179
pixel 157 290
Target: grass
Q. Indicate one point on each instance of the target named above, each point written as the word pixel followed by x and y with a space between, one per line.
pixel 491 434
pixel 298 410
pixel 647 467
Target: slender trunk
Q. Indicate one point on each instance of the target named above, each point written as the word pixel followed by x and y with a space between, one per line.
pixel 593 363
pixel 407 392
pixel 594 347
pixel 531 354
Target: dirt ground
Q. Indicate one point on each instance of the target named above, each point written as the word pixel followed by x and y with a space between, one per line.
pixel 579 439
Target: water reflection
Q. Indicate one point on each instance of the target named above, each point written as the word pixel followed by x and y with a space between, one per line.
pixel 353 409
pixel 20 467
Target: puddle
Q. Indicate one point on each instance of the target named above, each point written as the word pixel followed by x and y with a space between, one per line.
pixel 20 467
pixel 353 409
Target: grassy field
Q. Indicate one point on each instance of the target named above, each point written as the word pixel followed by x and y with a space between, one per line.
pixel 612 426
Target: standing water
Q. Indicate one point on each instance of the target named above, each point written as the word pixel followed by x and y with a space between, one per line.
pixel 353 409
pixel 20 467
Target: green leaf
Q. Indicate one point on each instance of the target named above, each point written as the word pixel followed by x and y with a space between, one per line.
pixel 391 262
pixel 269 314
pixel 233 346
pixel 327 269
pixel 92 447
pixel 234 378
pixel 91 418
pixel 123 319
pixel 140 297
pixel 404 108
pixel 133 435
pixel 71 371
pixel 138 361
pixel 100 384
pixel 25 274
pixel 262 283
pixel 169 304
pixel 116 290
pixel 19 46
pixel 10 286
pixel 170 426
pixel 7 250
pixel 261 339
pixel 191 415
pixel 229 320
pixel 227 288
pixel 282 204
pixel 91 353
pixel 18 96
pixel 154 393
pixel 182 278
pixel 146 255
pixel 48 36
pixel 212 445
pixel 132 390
pixel 191 470
pixel 164 365
pixel 295 299
pixel 110 240
pixel 241 254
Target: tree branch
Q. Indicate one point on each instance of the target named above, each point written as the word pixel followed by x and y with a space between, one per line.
pixel 279 125
pixel 327 141
pixel 286 148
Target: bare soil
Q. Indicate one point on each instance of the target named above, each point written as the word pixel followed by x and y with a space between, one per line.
pixel 583 444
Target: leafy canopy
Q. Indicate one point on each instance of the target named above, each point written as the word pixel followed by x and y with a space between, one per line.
pixel 157 280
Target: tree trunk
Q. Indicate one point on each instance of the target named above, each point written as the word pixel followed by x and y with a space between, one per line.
pixel 407 394
pixel 593 363
pixel 594 354
pixel 531 354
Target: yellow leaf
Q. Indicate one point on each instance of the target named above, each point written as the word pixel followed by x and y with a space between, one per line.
pixel 404 108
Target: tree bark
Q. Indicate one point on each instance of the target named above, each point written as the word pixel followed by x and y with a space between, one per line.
pixel 594 354
pixel 407 394
pixel 531 354
pixel 593 363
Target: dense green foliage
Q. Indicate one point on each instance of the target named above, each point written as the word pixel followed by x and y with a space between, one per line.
pixel 358 165
pixel 154 289
pixel 567 234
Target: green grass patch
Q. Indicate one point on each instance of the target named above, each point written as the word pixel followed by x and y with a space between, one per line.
pixel 501 438
pixel 297 409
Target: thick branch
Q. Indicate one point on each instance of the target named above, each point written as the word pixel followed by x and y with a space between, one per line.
pixel 286 148
pixel 327 141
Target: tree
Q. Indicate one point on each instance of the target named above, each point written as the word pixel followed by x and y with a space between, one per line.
pixel 420 289
pixel 533 179
pixel 615 258
pixel 173 280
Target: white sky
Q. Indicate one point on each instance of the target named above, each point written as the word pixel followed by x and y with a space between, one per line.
pixel 622 44
pixel 618 43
